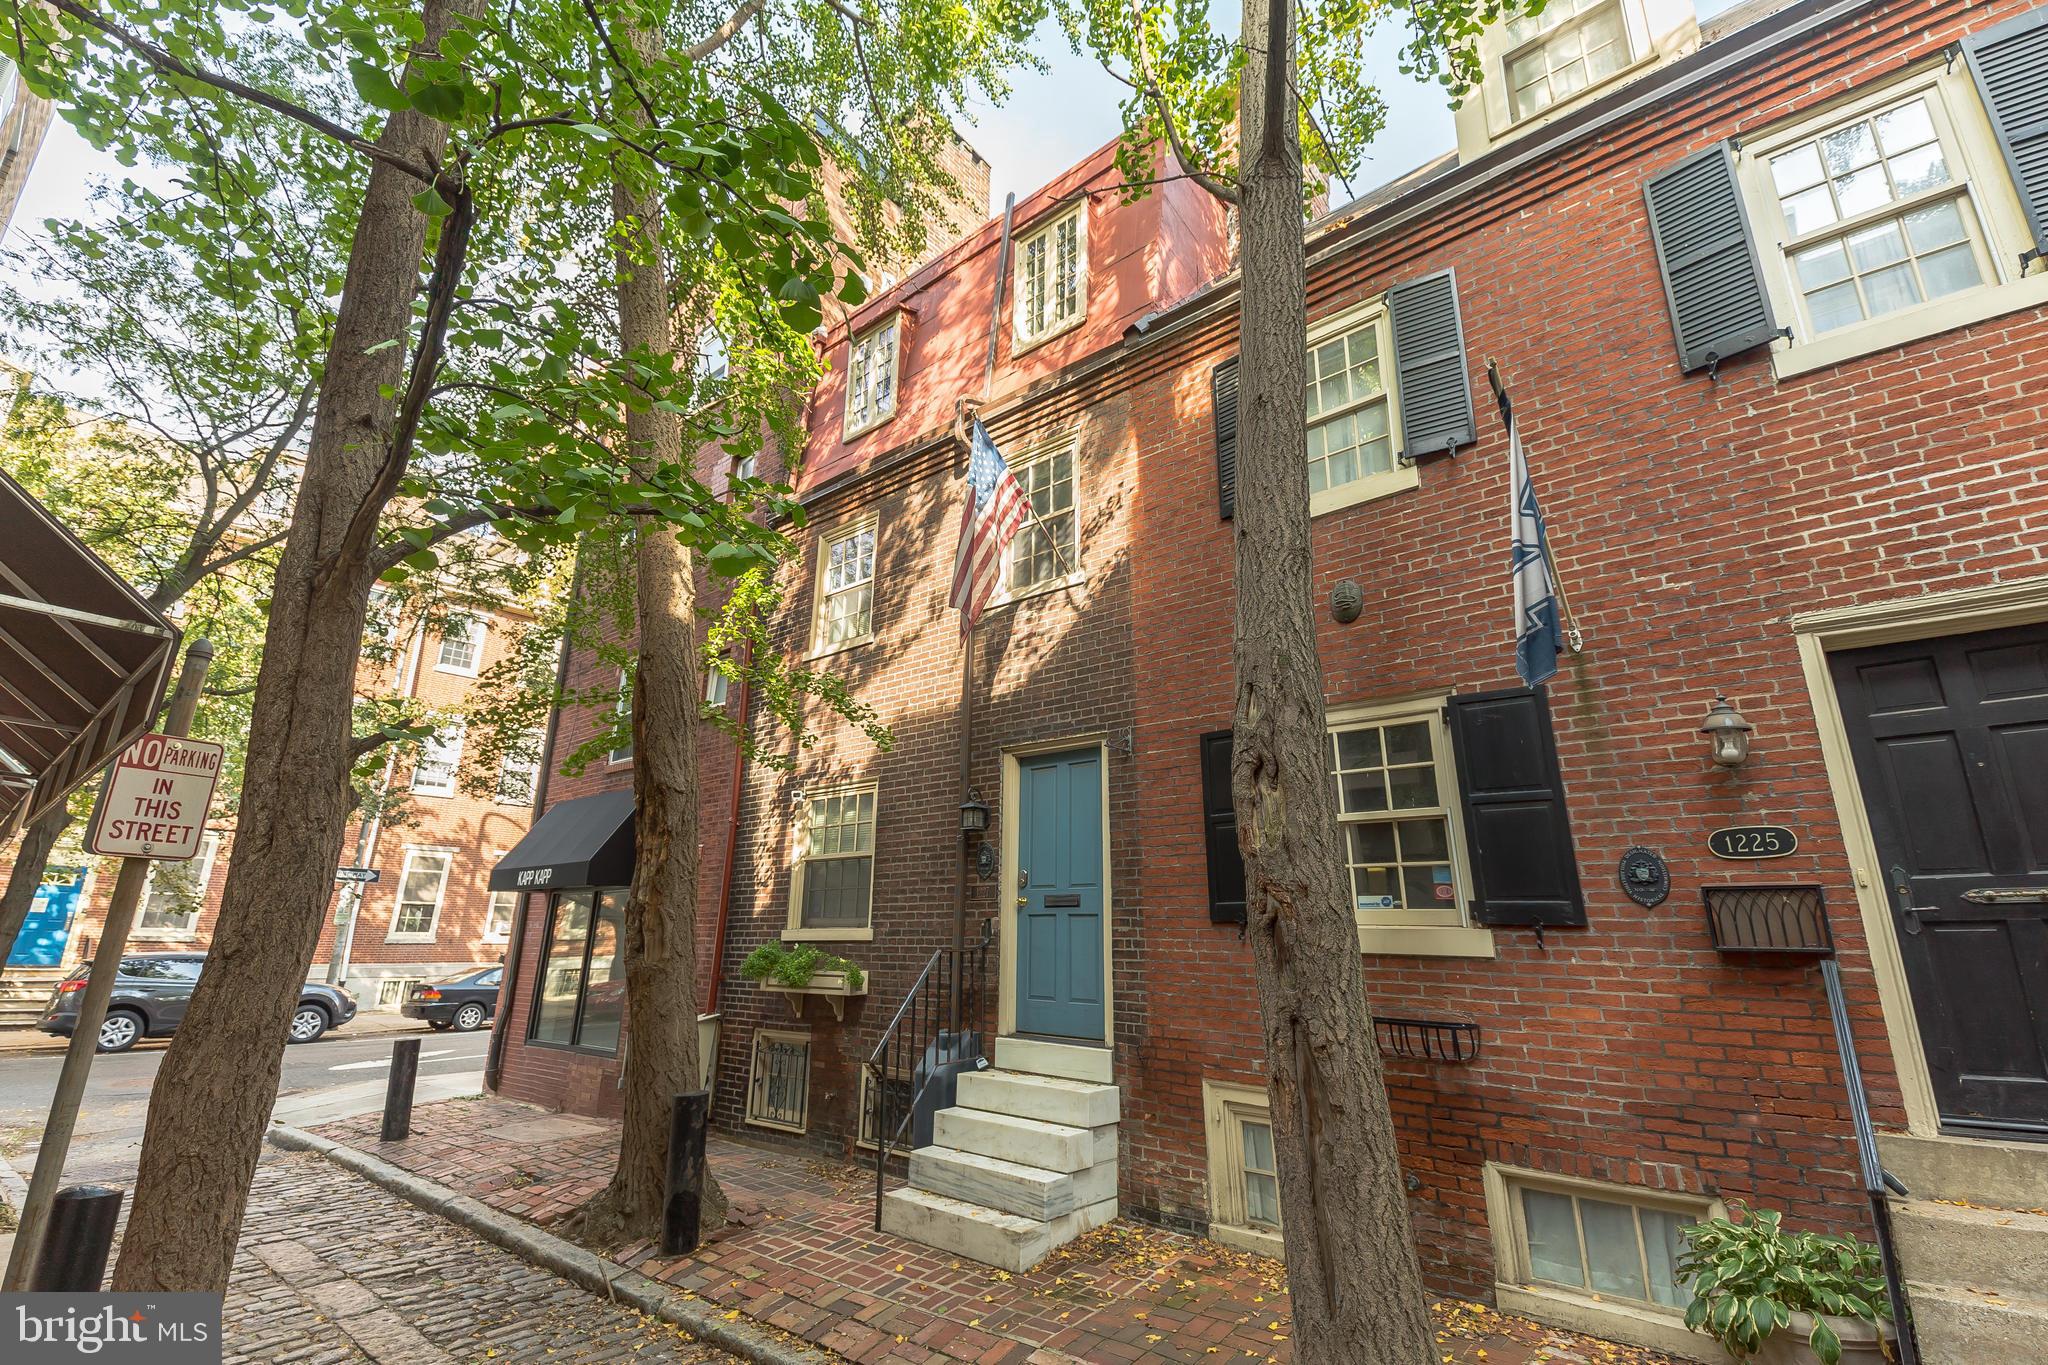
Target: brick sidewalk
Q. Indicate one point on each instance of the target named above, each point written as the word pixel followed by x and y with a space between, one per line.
pixel 803 1256
pixel 332 1269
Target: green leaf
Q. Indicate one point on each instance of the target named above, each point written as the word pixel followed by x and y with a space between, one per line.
pixel 1824 1342
pixel 376 87
pixel 430 202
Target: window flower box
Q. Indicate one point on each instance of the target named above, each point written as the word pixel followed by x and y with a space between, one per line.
pixel 833 987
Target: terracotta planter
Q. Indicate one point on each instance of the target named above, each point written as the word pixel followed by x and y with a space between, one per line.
pixel 1787 1345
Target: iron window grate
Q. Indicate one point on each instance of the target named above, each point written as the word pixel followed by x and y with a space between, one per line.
pixel 1769 921
pixel 1427 1040
pixel 779 1083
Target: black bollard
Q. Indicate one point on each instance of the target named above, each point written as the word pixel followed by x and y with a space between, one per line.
pixel 79 1240
pixel 682 1216
pixel 405 1069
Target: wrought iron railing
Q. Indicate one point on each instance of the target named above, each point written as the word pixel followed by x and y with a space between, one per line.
pixel 928 1041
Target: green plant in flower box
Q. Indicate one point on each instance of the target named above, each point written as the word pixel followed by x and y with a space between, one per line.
pixel 793 965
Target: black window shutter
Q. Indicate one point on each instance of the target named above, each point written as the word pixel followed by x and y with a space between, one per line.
pixel 1523 868
pixel 1429 365
pixel 1712 281
pixel 1219 829
pixel 2010 63
pixel 1223 388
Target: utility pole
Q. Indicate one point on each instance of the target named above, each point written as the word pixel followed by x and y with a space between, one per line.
pixel 92 1010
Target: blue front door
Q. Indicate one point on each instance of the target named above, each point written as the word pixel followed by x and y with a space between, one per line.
pixel 48 925
pixel 1060 971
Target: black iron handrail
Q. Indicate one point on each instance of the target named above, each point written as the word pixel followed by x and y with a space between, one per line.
pixel 923 1044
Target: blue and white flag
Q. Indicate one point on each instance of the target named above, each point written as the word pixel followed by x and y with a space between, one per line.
pixel 1538 636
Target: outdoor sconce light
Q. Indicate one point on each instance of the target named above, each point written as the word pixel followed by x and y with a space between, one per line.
pixel 1727 732
pixel 973 813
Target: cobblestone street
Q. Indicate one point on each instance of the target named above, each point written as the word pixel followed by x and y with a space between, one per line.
pixel 333 1269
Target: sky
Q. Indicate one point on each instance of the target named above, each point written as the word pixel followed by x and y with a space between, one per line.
pixel 1050 120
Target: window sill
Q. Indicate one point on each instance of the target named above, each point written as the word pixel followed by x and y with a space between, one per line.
pixel 1254 1240
pixel 409 938
pixel 1399 480
pixel 798 934
pixel 848 435
pixel 166 935
pixel 1424 940
pixel 458 672
pixel 1021 344
pixel 1910 325
pixel 1077 579
pixel 1616 1321
pixel 429 791
pixel 827 651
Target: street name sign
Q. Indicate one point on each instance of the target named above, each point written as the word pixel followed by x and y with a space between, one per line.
pixel 356 874
pixel 155 799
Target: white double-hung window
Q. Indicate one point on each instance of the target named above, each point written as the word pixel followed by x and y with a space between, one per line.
pixel 871 377
pixel 1046 550
pixel 1052 277
pixel 1886 219
pixel 422 882
pixel 846 588
pixel 1568 47
pixel 440 760
pixel 1350 408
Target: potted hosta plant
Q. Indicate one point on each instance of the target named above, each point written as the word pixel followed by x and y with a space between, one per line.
pixel 801 969
pixel 1784 1298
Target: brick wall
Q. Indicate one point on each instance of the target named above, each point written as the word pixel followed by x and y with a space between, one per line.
pixel 1691 517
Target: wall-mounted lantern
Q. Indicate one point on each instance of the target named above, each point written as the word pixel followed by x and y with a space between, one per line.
pixel 1728 733
pixel 973 813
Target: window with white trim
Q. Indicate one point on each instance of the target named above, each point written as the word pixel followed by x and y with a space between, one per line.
pixel 1876 216
pixel 519 769
pixel 835 873
pixel 1244 1174
pixel 498 913
pixel 1886 219
pixel 462 645
pixel 1047 548
pixel 393 990
pixel 846 588
pixel 622 718
pixel 1350 409
pixel 1052 277
pixel 1568 47
pixel 1592 1242
pixel 779 1081
pixel 175 893
pixel 440 760
pixel 717 688
pixel 1396 790
pixel 871 377
pixel 422 883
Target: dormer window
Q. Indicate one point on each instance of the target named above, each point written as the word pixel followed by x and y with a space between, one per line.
pixel 1571 45
pixel 1052 277
pixel 871 378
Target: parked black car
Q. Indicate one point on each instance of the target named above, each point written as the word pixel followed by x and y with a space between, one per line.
pixel 152 990
pixel 464 1003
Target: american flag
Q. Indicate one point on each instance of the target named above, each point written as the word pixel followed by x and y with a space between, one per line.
pixel 996 508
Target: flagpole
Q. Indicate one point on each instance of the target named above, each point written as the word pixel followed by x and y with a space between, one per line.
pixel 988 379
pixel 1572 634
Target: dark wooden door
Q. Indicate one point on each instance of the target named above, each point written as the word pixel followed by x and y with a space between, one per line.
pixel 1950 738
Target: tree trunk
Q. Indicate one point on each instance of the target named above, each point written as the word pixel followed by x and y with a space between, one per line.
pixel 1352 1272
pixel 218 1081
pixel 661 909
pixel 30 860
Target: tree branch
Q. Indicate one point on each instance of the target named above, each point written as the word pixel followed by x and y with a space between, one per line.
pixel 164 62
pixel 720 36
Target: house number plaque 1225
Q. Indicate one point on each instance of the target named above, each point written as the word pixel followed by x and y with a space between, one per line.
pixel 1752 841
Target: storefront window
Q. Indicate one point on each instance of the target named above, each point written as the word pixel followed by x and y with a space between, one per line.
pixel 582 997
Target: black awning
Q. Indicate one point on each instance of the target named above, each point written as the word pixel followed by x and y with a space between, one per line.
pixel 585 842
pixel 83 660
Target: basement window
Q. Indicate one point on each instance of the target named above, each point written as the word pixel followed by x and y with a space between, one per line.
pixel 779 1081
pixel 1244 1176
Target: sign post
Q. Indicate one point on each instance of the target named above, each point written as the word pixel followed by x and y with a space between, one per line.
pixel 153 806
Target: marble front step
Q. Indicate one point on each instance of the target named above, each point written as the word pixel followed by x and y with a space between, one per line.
pixel 1003 1240
pixel 2005 1175
pixel 1973 1326
pixel 1073 1061
pixel 1029 1191
pixel 1050 1146
pixel 1943 1244
pixel 1049 1099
